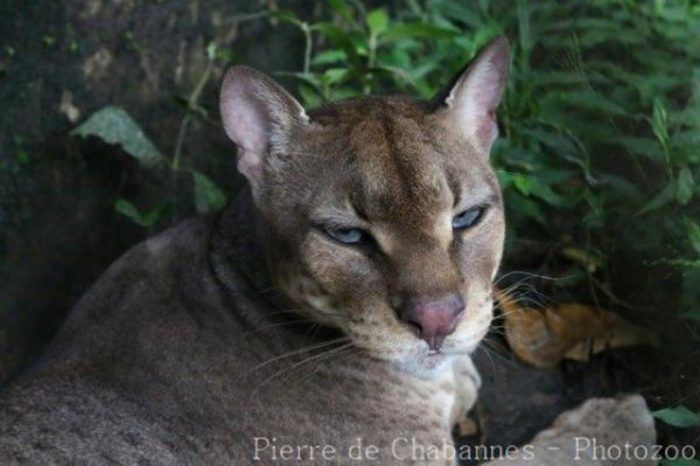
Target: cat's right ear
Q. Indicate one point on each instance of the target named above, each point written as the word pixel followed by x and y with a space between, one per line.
pixel 468 106
pixel 258 116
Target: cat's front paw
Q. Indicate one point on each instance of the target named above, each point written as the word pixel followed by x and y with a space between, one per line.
pixel 467 382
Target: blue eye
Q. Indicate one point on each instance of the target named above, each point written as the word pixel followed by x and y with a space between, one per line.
pixel 468 218
pixel 346 235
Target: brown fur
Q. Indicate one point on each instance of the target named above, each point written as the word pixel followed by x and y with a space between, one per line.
pixel 254 323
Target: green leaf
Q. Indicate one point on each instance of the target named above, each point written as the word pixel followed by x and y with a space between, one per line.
pixel 684 185
pixel 545 193
pixel 212 51
pixel 207 195
pixel 310 79
pixel 692 315
pixel 593 101
pixel 146 220
pixel 522 183
pixel 337 37
pixel 659 122
pixel 692 230
pixel 377 21
pixel 286 16
pixel 114 126
pixel 342 8
pixel 664 197
pixel 309 97
pixel 329 56
pixel 522 207
pixel 400 74
pixel 643 146
pixel 679 416
pixel 334 75
pixel 529 185
pixel 419 30
pixel 524 26
pixel 680 462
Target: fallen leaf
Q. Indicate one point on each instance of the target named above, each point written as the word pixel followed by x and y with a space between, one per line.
pixel 467 427
pixel 544 337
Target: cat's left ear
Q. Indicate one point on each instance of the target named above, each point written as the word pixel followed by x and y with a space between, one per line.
pixel 260 117
pixel 469 105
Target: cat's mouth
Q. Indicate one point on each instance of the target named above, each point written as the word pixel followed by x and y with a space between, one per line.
pixel 382 336
pixel 422 358
pixel 426 362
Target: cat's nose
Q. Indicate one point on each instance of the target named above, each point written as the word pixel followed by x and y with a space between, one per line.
pixel 433 319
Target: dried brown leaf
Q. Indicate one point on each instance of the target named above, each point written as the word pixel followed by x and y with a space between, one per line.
pixel 572 331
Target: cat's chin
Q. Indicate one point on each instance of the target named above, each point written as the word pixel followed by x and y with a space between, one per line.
pixel 425 368
pixel 433 361
pixel 426 364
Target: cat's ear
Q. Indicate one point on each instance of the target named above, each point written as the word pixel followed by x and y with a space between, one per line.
pixel 469 104
pixel 258 116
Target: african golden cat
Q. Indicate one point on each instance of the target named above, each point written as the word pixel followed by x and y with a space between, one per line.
pixel 327 315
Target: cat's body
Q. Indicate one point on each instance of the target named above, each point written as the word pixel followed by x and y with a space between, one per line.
pixel 171 357
pixel 327 317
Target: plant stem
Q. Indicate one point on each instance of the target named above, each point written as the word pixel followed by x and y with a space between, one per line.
pixel 371 58
pixel 308 47
pixel 246 17
pixel 192 103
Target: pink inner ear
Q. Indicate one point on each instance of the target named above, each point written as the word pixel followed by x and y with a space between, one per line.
pixel 250 165
pixel 487 130
pixel 475 97
pixel 477 101
pixel 245 122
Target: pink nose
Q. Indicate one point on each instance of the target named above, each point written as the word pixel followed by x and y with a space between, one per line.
pixel 432 319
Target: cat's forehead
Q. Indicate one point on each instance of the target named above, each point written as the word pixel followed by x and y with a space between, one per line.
pixel 396 171
pixel 399 163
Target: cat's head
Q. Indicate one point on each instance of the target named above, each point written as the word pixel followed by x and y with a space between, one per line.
pixel 382 216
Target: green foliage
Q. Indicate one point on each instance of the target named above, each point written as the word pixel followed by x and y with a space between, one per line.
pixel 600 124
pixel 679 416
pixel 114 126
pixel 144 219
pixel 598 153
pixel 693 315
pixel 680 462
pixel 207 195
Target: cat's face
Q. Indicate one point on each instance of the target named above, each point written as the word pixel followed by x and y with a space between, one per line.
pixel 382 216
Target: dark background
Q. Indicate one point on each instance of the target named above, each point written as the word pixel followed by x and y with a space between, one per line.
pixel 58 227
